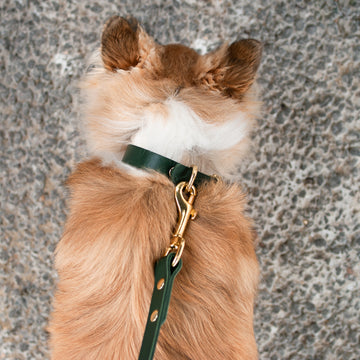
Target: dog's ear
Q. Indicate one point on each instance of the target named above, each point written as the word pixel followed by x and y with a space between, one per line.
pixel 242 63
pixel 231 69
pixel 120 43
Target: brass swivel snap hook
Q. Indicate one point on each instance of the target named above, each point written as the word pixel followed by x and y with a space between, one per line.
pixel 186 213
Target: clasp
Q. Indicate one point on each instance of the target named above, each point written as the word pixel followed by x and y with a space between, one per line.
pixel 185 207
pixel 186 212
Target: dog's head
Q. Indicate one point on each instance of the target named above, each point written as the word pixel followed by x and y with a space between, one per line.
pixel 169 99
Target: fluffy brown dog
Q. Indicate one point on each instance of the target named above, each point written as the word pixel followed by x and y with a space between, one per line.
pixel 196 110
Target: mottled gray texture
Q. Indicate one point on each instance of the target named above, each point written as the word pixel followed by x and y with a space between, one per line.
pixel 303 178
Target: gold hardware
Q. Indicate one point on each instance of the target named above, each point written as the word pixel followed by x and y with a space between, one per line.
pixel 192 178
pixel 160 284
pixel 177 245
pixel 185 208
pixel 216 177
pixel 154 315
pixel 186 213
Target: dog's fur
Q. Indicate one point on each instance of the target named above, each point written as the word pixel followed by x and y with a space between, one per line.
pixel 194 109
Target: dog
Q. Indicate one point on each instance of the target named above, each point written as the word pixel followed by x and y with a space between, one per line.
pixel 192 109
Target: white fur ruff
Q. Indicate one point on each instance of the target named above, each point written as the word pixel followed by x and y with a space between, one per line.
pixel 183 131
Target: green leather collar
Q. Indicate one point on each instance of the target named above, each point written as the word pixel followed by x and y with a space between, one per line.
pixel 145 159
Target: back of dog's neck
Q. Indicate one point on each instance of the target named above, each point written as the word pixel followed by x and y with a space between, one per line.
pixel 177 131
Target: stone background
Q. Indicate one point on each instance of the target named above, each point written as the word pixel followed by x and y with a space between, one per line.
pixel 303 178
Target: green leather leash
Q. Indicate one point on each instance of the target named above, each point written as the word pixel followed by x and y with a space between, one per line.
pixel 186 179
pixel 165 274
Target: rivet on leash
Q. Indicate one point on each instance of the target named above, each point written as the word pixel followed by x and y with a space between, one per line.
pixel 154 316
pixel 160 285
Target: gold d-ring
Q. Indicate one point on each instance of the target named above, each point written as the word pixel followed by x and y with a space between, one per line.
pixel 190 184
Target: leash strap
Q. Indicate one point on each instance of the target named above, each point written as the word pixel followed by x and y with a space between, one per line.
pixel 165 274
pixel 176 172
pixel 186 180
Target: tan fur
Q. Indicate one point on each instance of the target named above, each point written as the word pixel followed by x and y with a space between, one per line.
pixel 120 223
pixel 117 228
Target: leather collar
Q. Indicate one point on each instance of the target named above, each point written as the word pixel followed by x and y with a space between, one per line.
pixel 176 172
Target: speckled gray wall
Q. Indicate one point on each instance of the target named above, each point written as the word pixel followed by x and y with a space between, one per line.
pixel 303 178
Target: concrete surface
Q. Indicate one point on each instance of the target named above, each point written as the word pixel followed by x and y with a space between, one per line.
pixel 303 178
